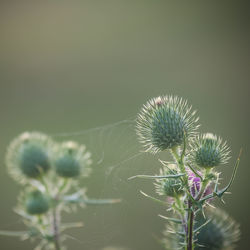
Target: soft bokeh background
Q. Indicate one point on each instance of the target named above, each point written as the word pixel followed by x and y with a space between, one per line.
pixel 69 66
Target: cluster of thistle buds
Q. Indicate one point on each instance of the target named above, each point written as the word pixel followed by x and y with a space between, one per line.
pixel 50 174
pixel 190 182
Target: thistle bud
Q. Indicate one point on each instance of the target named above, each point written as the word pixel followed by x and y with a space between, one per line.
pixel 28 156
pixel 163 122
pixel 221 233
pixel 171 187
pixel 72 160
pixel 209 151
pixel 36 203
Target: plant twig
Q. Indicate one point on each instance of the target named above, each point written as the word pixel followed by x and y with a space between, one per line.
pixel 56 226
pixel 190 227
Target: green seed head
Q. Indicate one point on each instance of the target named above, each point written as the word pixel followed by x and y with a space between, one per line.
pixel 72 160
pixel 169 186
pixel 36 203
pixel 209 151
pixel 221 233
pixel 67 166
pixel 163 122
pixel 33 160
pixel 28 156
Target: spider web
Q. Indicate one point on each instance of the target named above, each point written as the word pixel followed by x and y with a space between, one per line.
pixel 116 156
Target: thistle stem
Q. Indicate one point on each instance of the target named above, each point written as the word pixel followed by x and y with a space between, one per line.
pixel 204 184
pixel 56 224
pixel 190 227
pixel 178 159
pixel 190 214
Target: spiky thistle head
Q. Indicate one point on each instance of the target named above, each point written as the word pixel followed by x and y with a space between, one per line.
pixel 72 160
pixel 208 150
pixel 163 122
pixel 220 233
pixel 28 156
pixel 36 203
pixel 171 187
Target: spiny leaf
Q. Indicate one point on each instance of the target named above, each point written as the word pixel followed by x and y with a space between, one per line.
pixel 225 189
pixel 156 176
pixel 71 199
pixel 154 199
pixel 14 233
pixel 65 226
pixel 171 219
pixel 176 232
pixel 237 163
pixel 200 227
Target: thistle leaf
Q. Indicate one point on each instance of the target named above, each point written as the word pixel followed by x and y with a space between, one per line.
pixel 219 193
pixel 200 227
pixel 156 176
pixel 154 199
pixel 65 226
pixel 13 233
pixel 171 219
pixel 80 200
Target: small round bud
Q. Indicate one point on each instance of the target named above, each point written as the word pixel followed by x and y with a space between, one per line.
pixel 169 186
pixel 28 156
pixel 72 160
pixel 36 203
pixel 67 166
pixel 33 160
pixel 209 151
pixel 163 122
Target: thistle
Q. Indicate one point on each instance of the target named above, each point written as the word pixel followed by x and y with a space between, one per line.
pixel 221 232
pixel 188 183
pixel 171 187
pixel 209 151
pixel 163 122
pixel 28 156
pixel 36 203
pixel 72 160
pixel 49 173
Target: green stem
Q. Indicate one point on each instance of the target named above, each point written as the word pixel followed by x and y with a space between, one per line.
pixel 190 227
pixel 204 184
pixel 56 217
pixel 181 165
pixel 56 226
pixel 190 214
pixel 63 186
pixel 45 185
pixel 178 158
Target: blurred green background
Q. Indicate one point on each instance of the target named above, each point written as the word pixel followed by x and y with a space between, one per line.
pixel 69 66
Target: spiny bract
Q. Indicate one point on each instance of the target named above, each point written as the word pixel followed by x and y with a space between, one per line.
pixel 36 203
pixel 169 186
pixel 72 160
pixel 163 122
pixel 28 156
pixel 208 151
pixel 220 233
